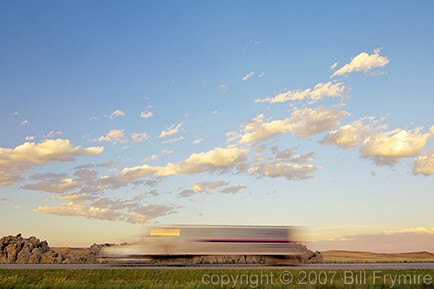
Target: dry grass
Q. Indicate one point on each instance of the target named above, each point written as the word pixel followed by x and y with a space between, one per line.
pixel 78 252
pixel 335 256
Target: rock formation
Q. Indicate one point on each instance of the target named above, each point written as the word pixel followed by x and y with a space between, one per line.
pixel 16 249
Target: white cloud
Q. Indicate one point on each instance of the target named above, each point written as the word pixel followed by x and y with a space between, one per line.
pixel 117 113
pixel 248 75
pixel 52 134
pixel 205 187
pixel 171 130
pixel 363 62
pixel 261 75
pixel 286 170
pixel 411 230
pixel 30 138
pixel 84 181
pixel 152 157
pixel 320 91
pixel 303 122
pixel 197 141
pixel 386 148
pixel 132 211
pixel 52 183
pixel 15 161
pixel 25 122
pixel 114 136
pixel 139 136
pixel 145 213
pixel 166 152
pixel 333 66
pixel 308 122
pixel 351 135
pixel 217 159
pixel 146 114
pixel 285 164
pixel 424 164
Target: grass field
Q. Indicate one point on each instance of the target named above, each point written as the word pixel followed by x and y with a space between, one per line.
pixel 212 278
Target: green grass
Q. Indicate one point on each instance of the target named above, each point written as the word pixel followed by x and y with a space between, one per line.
pixel 224 278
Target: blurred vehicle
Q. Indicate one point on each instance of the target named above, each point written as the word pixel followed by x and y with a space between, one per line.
pixel 189 241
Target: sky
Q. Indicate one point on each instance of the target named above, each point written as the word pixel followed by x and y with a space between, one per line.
pixel 119 115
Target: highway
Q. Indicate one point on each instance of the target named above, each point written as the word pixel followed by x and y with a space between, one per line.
pixel 343 266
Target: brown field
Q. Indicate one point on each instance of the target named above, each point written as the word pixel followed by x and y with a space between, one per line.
pixel 335 256
pixel 78 252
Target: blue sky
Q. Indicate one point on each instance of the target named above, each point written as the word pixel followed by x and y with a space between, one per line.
pixel 117 115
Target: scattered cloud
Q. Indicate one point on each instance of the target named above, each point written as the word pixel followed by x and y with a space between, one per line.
pixel 171 130
pixel 424 164
pixel 351 135
pixel 217 159
pixel 153 157
pixel 30 138
pixel 25 122
pixel 52 183
pixel 285 164
pixel 385 148
pixel 16 161
pixel 233 189
pixel 85 181
pixel 363 62
pixel 166 152
pixel 304 122
pixel 261 75
pixel 186 193
pixel 197 141
pixel 319 92
pixel 146 113
pixel 333 66
pixel 53 134
pixel 131 211
pixel 208 187
pixel 117 113
pixel 205 187
pixel 143 214
pixel 139 137
pixel 114 136
pixel 248 76
pixel 284 169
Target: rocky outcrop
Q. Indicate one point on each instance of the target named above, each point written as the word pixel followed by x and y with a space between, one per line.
pixel 16 249
pixel 94 250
